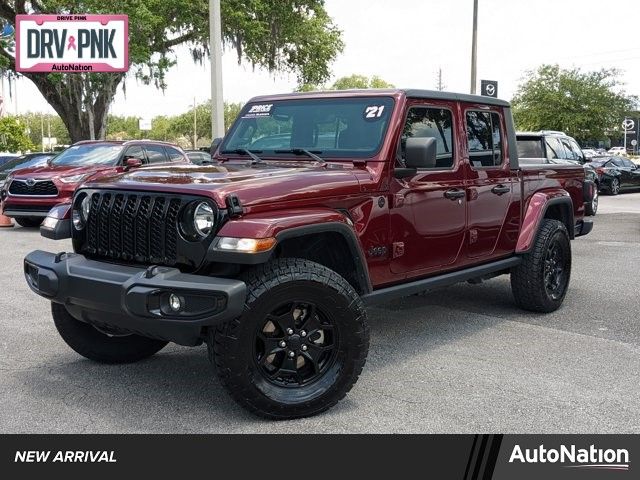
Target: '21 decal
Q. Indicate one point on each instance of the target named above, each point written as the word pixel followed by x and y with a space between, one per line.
pixel 373 112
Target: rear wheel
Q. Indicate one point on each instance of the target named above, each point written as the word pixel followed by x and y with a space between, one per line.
pixel 28 222
pixel 300 344
pixel 540 282
pixel 592 207
pixel 615 187
pixel 102 345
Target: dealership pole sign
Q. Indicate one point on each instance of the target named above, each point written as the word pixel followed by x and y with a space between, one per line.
pixel 72 43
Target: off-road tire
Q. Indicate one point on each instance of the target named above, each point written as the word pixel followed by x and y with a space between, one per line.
pixel 98 346
pixel 528 278
pixel 28 222
pixel 232 345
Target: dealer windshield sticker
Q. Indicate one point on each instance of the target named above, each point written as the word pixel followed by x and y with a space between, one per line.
pixel 259 110
pixel 373 112
pixel 72 43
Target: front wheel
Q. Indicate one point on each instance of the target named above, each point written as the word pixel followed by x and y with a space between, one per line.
pixel 101 345
pixel 300 344
pixel 541 280
pixel 28 222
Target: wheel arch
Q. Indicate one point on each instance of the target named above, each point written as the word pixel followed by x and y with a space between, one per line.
pixel 556 206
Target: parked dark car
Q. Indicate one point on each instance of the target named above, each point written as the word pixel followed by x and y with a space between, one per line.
pixel 28 160
pixel 616 174
pixel 199 157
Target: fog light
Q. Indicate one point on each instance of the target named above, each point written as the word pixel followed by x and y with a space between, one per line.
pixel 175 303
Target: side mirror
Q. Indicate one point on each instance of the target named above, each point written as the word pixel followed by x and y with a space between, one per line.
pixel 214 145
pixel 420 152
pixel 132 162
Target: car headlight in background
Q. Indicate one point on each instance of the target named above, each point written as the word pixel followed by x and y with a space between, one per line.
pixel 73 178
pixel 81 211
pixel 198 220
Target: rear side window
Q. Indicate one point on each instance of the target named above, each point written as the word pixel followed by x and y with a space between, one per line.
pixel 530 148
pixel 156 154
pixel 555 150
pixel 174 155
pixel 484 138
pixel 431 122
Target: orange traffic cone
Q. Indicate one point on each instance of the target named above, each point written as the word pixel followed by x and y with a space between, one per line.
pixel 4 220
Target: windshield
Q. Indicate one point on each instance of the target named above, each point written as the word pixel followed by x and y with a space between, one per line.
pixel 90 154
pixel 333 127
pixel 24 162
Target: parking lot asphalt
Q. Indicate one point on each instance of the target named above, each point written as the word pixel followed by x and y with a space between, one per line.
pixel 462 359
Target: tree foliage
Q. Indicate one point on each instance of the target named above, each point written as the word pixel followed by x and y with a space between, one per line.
pixel 297 37
pixel 585 105
pixel 345 83
pixel 13 136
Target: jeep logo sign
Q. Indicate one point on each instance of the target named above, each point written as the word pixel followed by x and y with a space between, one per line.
pixel 72 43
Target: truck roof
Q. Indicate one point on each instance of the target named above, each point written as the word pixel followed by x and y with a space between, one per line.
pixel 408 92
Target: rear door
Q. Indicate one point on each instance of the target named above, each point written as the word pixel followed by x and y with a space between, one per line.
pixel 428 218
pixel 492 213
pixel 156 154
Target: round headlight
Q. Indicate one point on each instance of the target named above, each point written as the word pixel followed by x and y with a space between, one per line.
pixel 80 215
pixel 203 219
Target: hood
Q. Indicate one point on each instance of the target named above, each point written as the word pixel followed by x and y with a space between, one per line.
pixel 264 183
pixel 51 171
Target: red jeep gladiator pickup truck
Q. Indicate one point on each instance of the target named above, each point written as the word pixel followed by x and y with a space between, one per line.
pixel 320 204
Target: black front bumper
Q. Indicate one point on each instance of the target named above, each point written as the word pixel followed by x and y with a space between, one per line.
pixel 135 299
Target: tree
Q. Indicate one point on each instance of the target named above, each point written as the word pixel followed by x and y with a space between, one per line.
pixel 345 83
pixel 585 105
pixel 13 136
pixel 38 125
pixel 296 37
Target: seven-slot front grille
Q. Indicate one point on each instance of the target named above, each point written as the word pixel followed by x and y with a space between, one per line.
pixel 37 187
pixel 135 227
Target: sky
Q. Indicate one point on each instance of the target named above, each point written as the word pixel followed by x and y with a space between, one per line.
pixel 405 42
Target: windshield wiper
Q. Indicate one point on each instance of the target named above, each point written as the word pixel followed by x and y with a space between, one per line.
pixel 304 151
pixel 255 159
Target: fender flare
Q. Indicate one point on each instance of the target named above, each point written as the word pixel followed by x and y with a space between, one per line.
pixel 536 210
pixel 335 222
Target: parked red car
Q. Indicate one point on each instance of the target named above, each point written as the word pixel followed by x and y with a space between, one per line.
pixel 30 193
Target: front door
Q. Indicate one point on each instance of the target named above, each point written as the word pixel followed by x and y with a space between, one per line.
pixel 428 214
pixel 493 216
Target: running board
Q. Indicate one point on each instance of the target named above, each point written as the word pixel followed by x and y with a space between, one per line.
pixel 405 289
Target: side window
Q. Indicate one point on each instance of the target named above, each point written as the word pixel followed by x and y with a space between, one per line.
pixel 484 137
pixel 174 155
pixel 555 150
pixel 135 151
pixel 156 154
pixel 431 122
pixel 617 162
pixel 570 154
pixel 576 150
pixel 628 163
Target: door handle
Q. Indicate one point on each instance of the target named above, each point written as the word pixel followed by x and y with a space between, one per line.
pixel 500 189
pixel 454 194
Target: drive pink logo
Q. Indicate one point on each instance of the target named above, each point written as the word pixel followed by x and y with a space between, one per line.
pixel 72 43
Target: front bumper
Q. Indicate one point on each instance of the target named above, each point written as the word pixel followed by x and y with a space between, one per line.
pixel 135 299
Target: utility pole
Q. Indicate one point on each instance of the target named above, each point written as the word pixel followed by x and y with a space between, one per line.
pixel 474 47
pixel 42 130
pixel 440 85
pixel 215 48
pixel 49 132
pixel 195 126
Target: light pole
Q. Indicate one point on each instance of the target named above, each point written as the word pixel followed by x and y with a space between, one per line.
pixel 195 125
pixel 215 48
pixel 474 47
